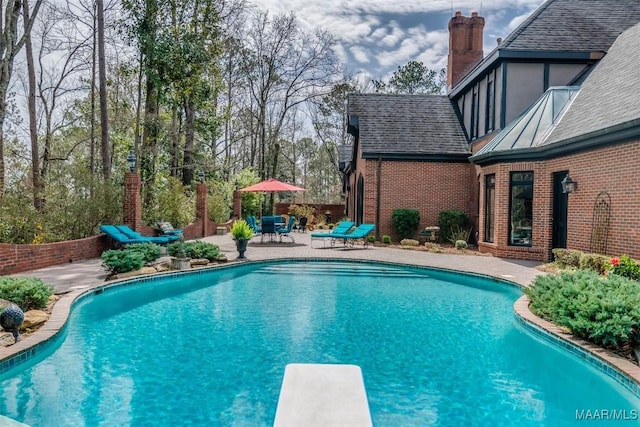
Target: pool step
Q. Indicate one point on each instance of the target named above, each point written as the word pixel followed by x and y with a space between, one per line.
pixel 324 269
pixel 322 395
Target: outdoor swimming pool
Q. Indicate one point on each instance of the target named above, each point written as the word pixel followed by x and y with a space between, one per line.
pixel 435 348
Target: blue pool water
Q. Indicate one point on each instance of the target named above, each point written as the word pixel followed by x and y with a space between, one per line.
pixel 210 349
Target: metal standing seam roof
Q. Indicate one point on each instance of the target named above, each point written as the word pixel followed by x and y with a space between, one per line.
pixel 533 126
pixel 400 125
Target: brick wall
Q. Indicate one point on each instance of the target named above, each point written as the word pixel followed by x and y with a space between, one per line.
pixel 612 170
pixel 17 258
pixel 429 187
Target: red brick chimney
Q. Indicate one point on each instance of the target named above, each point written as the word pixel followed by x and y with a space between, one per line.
pixel 465 45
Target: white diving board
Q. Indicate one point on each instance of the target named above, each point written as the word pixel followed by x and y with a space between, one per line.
pixel 322 395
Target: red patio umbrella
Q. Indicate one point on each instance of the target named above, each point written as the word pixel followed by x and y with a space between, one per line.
pixel 271 186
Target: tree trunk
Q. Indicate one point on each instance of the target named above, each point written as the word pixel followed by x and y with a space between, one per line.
pixel 188 163
pixel 102 76
pixel 175 142
pixel 38 201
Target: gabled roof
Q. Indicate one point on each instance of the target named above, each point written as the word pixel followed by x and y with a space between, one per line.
pixel 562 29
pixel 402 126
pixel 606 110
pixel 531 129
pixel 574 25
pixel 609 99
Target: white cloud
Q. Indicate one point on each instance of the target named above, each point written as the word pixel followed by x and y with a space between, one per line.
pixel 381 34
pixel 360 54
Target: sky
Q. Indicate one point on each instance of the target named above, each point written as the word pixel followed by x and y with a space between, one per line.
pixel 375 37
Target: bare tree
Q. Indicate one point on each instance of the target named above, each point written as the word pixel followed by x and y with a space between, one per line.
pixel 286 67
pixel 102 79
pixel 10 44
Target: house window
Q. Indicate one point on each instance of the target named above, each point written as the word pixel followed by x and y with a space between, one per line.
pixel 521 208
pixel 475 107
pixel 491 107
pixel 489 206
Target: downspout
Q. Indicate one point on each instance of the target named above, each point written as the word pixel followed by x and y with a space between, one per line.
pixel 378 185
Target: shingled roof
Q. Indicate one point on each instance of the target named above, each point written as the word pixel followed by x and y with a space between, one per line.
pixel 406 126
pixel 563 27
pixel 608 101
pixel 574 26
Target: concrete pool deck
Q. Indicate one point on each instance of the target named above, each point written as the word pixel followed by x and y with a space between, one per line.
pixel 89 273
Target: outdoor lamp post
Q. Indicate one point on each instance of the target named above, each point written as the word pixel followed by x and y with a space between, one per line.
pixel 201 176
pixel 568 185
pixel 131 161
pixel 237 185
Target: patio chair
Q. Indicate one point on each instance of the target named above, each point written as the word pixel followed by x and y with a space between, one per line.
pixel 167 229
pixel 284 231
pixel 120 239
pixel 361 232
pixel 302 225
pixel 268 228
pixel 253 223
pixel 342 228
pixel 160 240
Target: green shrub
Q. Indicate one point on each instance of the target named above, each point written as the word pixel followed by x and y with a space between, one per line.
pixel 596 262
pixel 406 222
pixel 122 261
pixel 625 267
pixel 371 239
pixel 449 220
pixel 28 293
pixel 567 257
pixel 603 310
pixel 386 238
pixel 461 244
pixel 409 242
pixel 457 234
pixel 150 251
pixel 199 249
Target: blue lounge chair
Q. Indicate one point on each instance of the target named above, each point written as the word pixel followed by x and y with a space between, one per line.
pixel 342 228
pixel 118 237
pixel 167 229
pixel 285 231
pixel 361 232
pixel 160 240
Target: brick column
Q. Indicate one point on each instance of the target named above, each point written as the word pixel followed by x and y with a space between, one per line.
pixel 201 207
pixel 132 204
pixel 237 204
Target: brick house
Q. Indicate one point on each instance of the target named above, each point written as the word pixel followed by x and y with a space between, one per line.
pixel 527 113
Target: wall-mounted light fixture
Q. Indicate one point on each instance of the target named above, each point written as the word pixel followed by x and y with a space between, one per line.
pixel 568 185
pixel 237 185
pixel 131 161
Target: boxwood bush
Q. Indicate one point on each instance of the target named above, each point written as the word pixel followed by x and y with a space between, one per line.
pixel 603 310
pixel 452 220
pixel 28 293
pixel 193 250
pixel 122 261
pixel 150 251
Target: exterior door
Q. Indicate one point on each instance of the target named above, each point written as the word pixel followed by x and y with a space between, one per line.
pixel 560 212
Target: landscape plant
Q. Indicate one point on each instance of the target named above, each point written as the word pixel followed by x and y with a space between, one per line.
pixel 406 222
pixel 386 238
pixel 458 233
pixel 625 267
pixel 28 293
pixel 240 230
pixel 603 310
pixel 118 261
pixel 461 244
pixel 150 251
pixel 195 250
pixel 451 220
